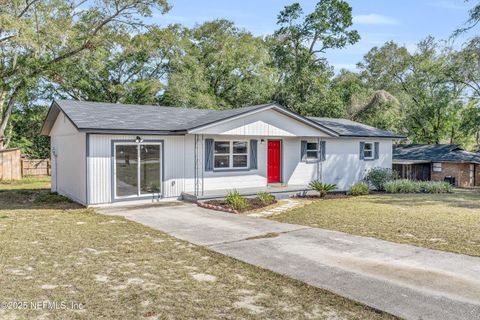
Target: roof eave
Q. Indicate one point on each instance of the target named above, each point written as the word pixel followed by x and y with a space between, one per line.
pixel 132 131
pixel 373 136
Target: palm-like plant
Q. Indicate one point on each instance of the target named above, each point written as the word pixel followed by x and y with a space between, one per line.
pixel 321 187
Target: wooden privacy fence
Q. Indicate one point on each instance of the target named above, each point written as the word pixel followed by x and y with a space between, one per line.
pixel 10 164
pixel 35 167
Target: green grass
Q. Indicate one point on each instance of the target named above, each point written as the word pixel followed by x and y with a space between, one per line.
pixel 31 182
pixel 118 269
pixel 449 222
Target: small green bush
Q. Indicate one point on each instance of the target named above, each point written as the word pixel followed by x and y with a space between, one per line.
pixel 377 177
pixel 236 201
pixel 359 189
pixel 436 187
pixel 51 197
pixel 265 198
pixel 321 187
pixel 410 186
pixel 402 186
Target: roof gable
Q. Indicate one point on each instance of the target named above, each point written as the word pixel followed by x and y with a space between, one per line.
pixel 268 121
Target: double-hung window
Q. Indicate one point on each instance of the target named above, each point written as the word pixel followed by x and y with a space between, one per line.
pixel 230 154
pixel 312 151
pixel 368 151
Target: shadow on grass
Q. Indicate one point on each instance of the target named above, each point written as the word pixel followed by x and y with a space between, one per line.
pixel 459 199
pixel 34 199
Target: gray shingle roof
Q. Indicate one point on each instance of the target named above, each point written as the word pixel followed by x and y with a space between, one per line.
pixel 131 117
pixel 348 128
pixel 433 152
pixel 111 117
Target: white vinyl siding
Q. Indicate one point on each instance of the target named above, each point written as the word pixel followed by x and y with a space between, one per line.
pixel 100 165
pixel 69 165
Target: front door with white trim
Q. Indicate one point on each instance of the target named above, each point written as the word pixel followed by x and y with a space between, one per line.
pixel 137 169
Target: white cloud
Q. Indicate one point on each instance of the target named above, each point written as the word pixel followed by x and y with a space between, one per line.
pixel 373 19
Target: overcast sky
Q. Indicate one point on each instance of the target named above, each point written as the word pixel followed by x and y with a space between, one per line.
pixel 403 21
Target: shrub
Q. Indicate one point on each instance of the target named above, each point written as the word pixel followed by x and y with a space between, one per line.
pixel 402 186
pixel 359 189
pixel 377 177
pixel 51 197
pixel 436 187
pixel 322 188
pixel 236 201
pixel 265 198
pixel 410 186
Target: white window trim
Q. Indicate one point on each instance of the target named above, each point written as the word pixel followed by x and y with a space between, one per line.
pixel 317 151
pixel 438 165
pixel 231 154
pixel 372 150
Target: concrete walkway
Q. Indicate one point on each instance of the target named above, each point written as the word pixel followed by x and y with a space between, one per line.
pixel 407 281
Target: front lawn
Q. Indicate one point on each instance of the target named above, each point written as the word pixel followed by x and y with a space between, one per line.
pixel 112 268
pixel 449 222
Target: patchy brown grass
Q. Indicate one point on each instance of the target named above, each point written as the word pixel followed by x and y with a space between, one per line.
pixel 118 269
pixel 449 222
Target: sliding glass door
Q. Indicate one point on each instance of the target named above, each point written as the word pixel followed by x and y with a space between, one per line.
pixel 137 170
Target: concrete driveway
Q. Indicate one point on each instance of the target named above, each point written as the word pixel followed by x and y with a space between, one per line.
pixel 404 280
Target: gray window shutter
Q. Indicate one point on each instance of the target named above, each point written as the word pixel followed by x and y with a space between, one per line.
pixel 323 154
pixel 253 154
pixel 208 154
pixel 377 150
pixel 362 147
pixel 303 151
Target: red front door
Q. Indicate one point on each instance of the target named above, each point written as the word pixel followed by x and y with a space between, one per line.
pixel 274 161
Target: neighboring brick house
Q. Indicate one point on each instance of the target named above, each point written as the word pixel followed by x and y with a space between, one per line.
pixel 437 162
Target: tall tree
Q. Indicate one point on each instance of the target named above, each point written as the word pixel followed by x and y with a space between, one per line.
pixel 127 69
pixel 36 36
pixel 421 81
pixel 297 48
pixel 222 67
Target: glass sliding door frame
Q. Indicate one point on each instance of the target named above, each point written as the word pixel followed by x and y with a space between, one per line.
pixel 139 194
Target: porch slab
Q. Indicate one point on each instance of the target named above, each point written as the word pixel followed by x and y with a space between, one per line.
pixel 279 191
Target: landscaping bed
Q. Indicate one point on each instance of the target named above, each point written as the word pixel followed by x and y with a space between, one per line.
pixel 328 196
pixel 222 205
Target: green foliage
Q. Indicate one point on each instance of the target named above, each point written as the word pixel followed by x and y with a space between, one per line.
pixel 410 186
pixel 402 186
pixel 296 48
pixel 51 197
pixel 265 198
pixel 24 129
pixel 236 201
pixel 222 67
pixel 436 187
pixel 377 177
pixel 359 189
pixel 321 187
pixel 38 36
pixel 128 69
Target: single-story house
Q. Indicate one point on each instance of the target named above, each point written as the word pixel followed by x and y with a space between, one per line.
pixel 103 152
pixel 437 162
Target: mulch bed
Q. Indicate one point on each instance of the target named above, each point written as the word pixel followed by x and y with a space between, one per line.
pixel 221 205
pixel 329 196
